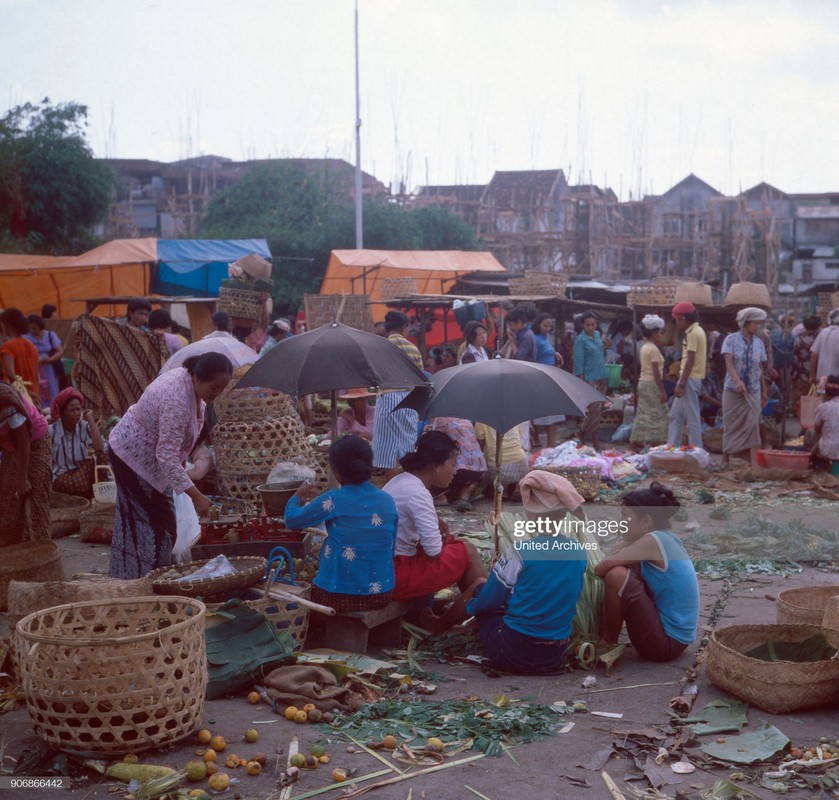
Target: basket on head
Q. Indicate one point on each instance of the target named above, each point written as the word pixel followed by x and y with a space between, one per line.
pixel 775 686
pixel 29 561
pixel 586 480
pixel 114 676
pixel 748 294
pixel 104 489
pixel 805 605
pixel 243 303
pixel 693 292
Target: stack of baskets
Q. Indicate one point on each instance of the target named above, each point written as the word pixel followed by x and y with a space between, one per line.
pixel 29 561
pixel 586 480
pixel 257 428
pixel 781 686
pixel 114 677
pixel 659 291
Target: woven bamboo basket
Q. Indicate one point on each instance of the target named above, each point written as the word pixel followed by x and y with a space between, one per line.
pixel 697 293
pixel 244 303
pixel 659 291
pixel 831 614
pixel 518 285
pixel 775 686
pixel 97 523
pixel 26 597
pixel 247 448
pixel 65 513
pixel 834 300
pixel 586 480
pixel 748 294
pixel 249 571
pixel 804 606
pixel 246 405
pixel 545 283
pixel 116 676
pixel 29 561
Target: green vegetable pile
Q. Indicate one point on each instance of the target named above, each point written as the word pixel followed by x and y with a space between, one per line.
pixel 489 726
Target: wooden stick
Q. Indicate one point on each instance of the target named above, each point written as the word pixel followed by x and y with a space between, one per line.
pixel 616 793
pixel 279 594
pixel 375 755
pixel 636 686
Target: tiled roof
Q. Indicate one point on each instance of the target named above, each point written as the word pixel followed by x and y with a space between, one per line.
pixel 508 190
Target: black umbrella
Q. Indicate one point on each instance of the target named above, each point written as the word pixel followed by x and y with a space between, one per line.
pixel 330 358
pixel 502 393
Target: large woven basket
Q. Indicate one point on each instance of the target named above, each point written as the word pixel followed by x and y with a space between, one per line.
pixel 775 686
pixel 586 480
pixel 116 676
pixel 26 597
pixel 697 293
pixel 244 303
pixel 748 294
pixel 804 606
pixel 249 571
pixel 65 513
pixel 251 404
pixel 29 561
pixel 659 291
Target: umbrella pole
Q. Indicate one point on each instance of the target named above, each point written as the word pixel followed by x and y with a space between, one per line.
pixel 334 430
pixel 499 488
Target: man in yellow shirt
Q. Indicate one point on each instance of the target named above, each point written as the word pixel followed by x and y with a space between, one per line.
pixel 685 408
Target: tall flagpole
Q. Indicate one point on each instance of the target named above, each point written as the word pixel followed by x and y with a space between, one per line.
pixel 359 232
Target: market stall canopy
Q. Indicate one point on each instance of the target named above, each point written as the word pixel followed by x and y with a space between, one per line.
pixel 127 267
pixel 384 274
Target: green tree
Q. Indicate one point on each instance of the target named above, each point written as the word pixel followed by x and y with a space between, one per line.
pixel 305 215
pixel 52 190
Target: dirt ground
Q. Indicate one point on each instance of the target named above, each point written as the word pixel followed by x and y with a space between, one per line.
pixel 758 522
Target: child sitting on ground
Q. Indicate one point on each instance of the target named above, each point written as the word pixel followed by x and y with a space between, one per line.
pixel 650 582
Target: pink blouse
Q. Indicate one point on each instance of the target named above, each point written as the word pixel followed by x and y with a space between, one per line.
pixel 158 432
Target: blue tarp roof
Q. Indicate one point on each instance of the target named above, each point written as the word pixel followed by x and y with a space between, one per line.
pixel 198 266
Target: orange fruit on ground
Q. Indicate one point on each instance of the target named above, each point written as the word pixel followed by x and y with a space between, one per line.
pixel 389 742
pixel 323 759
pixel 198 794
pixel 297 760
pixel 290 712
pixel 251 735
pixel 309 707
pixel 196 770
pixel 219 782
pixel 218 743
pixel 253 768
pixel 131 758
pixel 210 755
pixel 232 761
pixel 339 775
pixel 212 768
pixel 254 698
pixel 204 736
pixel 300 717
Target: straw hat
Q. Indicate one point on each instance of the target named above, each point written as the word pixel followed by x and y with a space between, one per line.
pixel 349 394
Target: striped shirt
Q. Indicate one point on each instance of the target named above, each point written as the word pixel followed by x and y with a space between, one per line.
pixel 407 348
pixel 69 448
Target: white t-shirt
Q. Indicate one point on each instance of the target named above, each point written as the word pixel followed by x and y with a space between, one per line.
pixel 418 523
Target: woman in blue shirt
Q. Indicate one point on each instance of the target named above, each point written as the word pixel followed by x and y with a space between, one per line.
pixel 590 366
pixel 356 560
pixel 650 582
pixel 546 353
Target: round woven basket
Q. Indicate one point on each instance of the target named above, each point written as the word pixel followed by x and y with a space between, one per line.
pixel 65 513
pixel 748 294
pixel 25 597
pixel 697 293
pixel 249 571
pixel 586 480
pixel 244 405
pixel 116 676
pixel 804 606
pixel 775 686
pixel 831 614
pixel 29 561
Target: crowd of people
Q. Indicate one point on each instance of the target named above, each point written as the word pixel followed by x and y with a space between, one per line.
pixel 390 543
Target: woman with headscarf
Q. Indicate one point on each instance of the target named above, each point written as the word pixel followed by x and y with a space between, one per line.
pixel 526 607
pixel 744 390
pixel 651 413
pixel 74 436
pixel 25 476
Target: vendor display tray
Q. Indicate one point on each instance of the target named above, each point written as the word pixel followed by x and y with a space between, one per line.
pixel 298 544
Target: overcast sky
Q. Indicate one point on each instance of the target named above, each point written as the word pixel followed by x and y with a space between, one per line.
pixel 634 94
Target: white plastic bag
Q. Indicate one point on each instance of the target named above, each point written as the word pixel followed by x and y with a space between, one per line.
pixel 189 528
pixel 288 471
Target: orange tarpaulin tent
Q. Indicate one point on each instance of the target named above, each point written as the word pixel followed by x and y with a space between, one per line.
pixel 432 271
pixel 120 267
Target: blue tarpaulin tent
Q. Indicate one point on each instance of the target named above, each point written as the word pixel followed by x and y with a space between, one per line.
pixel 197 267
